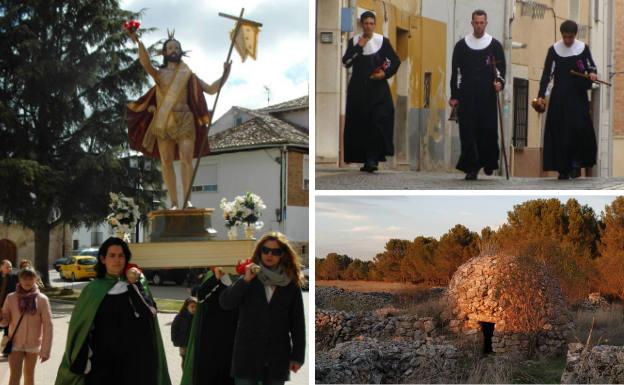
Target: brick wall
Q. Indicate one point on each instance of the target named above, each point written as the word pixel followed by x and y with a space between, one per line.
pixel 297 196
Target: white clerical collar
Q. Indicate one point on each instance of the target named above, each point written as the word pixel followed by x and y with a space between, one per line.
pixel 564 51
pixel 478 43
pixel 372 46
pixel 119 288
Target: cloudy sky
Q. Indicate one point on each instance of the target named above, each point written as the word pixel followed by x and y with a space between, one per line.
pixel 283 55
pixel 359 226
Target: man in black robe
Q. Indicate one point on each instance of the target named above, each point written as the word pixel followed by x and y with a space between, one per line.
pixel 369 120
pixel 478 74
pixel 211 341
pixel 569 136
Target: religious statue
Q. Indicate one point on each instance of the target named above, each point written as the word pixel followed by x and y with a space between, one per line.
pixel 169 121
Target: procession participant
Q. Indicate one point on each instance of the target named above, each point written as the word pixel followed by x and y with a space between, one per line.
pixel 569 137
pixel 113 335
pixel 369 120
pixel 27 314
pixel 474 88
pixel 270 336
pixel 8 283
pixel 181 326
pixel 169 121
pixel 211 342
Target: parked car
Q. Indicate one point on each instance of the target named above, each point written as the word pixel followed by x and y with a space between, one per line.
pixel 61 261
pixel 78 268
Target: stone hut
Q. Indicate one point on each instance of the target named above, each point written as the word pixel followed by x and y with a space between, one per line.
pixel 509 305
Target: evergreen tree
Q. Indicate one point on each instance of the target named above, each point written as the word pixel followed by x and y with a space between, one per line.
pixel 66 74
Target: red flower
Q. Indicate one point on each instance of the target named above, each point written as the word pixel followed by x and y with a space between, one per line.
pixel 130 266
pixel 131 25
pixel 240 267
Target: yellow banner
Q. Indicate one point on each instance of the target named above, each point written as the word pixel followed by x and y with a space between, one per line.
pixel 246 42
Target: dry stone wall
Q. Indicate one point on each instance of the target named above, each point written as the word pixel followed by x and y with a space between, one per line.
pixel 602 364
pixel 334 327
pixel 325 297
pixel 371 361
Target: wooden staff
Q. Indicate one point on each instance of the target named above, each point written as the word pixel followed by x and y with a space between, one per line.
pixel 187 196
pixel 586 76
pixel 500 118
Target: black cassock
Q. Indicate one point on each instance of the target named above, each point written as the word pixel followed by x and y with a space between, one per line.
pixel 215 337
pixel 569 137
pixel 472 83
pixel 121 343
pixel 369 120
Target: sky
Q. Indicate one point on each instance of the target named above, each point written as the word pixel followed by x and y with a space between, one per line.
pixel 359 226
pixel 283 56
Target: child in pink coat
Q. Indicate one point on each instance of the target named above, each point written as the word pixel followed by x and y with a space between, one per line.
pixel 33 337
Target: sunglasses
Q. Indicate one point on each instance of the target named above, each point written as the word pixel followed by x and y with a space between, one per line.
pixel 275 252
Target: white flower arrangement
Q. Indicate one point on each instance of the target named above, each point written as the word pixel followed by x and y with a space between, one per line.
pixel 244 209
pixel 125 214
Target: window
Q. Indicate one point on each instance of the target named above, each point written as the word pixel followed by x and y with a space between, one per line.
pixel 206 179
pixel 306 172
pixel 521 112
pixel 96 238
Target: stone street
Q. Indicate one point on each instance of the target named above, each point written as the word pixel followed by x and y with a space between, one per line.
pixel 351 179
pixel 46 373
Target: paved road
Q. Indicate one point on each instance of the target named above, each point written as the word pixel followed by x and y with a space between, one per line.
pixel 46 372
pixel 349 179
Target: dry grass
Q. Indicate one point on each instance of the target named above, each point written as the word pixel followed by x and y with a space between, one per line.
pixel 433 307
pixel 347 304
pixel 369 286
pixel 490 370
pixel 608 325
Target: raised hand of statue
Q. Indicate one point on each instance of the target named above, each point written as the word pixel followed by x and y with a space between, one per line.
pixel 132 35
pixel 226 70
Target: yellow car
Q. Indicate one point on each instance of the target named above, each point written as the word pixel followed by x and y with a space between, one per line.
pixel 78 268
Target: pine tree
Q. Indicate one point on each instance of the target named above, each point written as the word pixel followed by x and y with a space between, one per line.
pixel 66 74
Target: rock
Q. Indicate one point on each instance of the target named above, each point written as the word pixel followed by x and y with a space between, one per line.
pixel 371 361
pixel 600 364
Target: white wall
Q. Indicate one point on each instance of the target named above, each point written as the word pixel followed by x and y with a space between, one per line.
pixel 297 223
pixel 255 171
pixel 297 117
pixel 602 52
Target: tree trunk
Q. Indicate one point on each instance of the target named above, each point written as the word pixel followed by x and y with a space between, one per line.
pixel 42 249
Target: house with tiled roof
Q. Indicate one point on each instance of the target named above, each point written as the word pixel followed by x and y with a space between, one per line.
pixel 264 151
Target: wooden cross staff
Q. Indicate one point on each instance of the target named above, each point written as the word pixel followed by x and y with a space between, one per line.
pixel 239 21
pixel 493 63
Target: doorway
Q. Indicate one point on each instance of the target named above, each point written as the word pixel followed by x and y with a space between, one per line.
pixel 8 250
pixel 488 332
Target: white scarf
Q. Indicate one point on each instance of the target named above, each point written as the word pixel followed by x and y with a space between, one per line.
pixel 372 46
pixel 564 51
pixel 478 43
